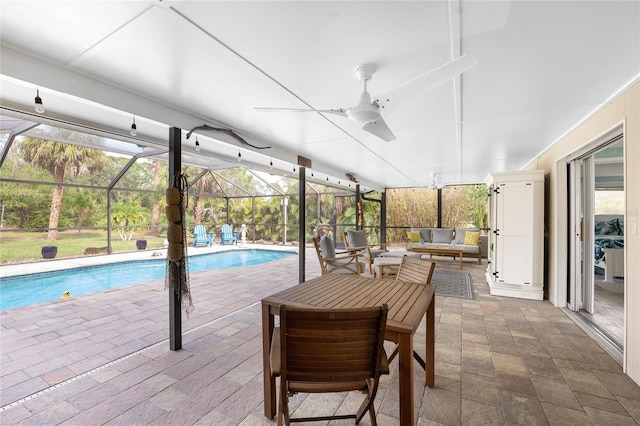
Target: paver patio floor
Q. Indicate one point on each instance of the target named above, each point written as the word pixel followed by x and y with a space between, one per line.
pixel 104 358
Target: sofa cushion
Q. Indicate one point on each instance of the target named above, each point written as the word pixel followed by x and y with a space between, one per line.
pixel 442 235
pixel 414 236
pixel 399 253
pixel 326 247
pixel 468 249
pixel 350 269
pixel 374 253
pixel 472 237
pixel 425 234
pixel 357 238
pixel 462 232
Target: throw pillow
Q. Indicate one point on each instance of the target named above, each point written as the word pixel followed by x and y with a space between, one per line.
pixel 326 247
pixel 442 235
pixel 460 233
pixel 425 233
pixel 471 238
pixel 357 238
pixel 414 236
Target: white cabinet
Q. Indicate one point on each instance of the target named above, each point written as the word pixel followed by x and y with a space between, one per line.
pixel 516 237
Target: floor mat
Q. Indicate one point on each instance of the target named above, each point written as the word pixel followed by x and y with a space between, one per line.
pixel 453 284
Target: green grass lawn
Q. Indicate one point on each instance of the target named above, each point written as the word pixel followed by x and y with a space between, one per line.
pixel 18 247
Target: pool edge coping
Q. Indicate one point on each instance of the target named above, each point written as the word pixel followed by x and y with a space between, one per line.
pixel 7 271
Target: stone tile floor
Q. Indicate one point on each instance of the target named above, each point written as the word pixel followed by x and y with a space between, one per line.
pixel 105 359
pixel 609 307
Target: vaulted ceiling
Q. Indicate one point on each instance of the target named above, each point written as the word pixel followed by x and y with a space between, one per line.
pixel 541 67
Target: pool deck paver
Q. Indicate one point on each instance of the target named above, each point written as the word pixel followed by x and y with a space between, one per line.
pixel 497 359
pixel 48 343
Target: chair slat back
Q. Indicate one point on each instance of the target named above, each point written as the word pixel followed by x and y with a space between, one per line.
pixel 346 263
pixel 226 230
pixel 415 270
pixel 316 245
pixel 355 239
pixel 329 345
pixel 200 231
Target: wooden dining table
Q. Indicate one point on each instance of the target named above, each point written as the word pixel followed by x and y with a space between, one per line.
pixel 407 302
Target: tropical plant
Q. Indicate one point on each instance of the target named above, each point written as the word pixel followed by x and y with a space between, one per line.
pixel 201 189
pixel 59 159
pixel 127 216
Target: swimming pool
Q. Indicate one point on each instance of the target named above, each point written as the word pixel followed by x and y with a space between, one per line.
pixel 24 290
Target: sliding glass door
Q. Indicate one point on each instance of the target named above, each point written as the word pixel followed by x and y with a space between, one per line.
pixel 595 178
pixel 581 223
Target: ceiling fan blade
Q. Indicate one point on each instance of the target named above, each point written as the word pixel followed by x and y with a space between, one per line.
pixel 340 111
pixel 380 129
pixel 420 85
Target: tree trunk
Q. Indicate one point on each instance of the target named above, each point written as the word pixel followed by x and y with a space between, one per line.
pixel 56 203
pixel 155 212
pixel 155 217
pixel 199 209
pixel 81 217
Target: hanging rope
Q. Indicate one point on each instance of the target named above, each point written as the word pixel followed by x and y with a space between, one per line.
pixel 177 277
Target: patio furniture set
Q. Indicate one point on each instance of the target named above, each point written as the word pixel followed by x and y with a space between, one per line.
pixel 330 328
pixel 446 241
pixel 201 237
pixel 360 257
pixel 333 343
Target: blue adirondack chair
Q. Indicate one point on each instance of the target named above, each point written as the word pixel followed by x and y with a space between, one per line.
pixel 228 235
pixel 201 237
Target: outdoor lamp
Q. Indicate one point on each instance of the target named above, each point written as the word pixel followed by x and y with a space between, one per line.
pixel 39 107
pixel 134 128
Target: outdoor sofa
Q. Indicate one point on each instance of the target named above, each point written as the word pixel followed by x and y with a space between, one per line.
pixel 467 239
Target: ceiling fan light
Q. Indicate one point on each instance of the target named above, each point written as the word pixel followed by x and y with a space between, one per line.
pixel 364 113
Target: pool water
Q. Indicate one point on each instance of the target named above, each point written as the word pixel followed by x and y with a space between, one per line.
pixel 30 289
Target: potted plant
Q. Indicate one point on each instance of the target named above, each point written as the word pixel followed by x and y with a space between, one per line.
pixel 49 252
pixel 141 244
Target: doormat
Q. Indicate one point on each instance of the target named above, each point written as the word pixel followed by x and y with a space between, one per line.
pixel 453 284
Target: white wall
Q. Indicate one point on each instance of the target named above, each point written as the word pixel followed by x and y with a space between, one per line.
pixel 623 110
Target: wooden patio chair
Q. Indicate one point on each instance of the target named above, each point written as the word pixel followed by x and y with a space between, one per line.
pixel 414 270
pixel 228 235
pixel 357 240
pixel 329 350
pixel 202 237
pixel 337 263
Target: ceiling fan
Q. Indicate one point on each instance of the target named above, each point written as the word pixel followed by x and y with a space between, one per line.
pixel 435 185
pixel 369 110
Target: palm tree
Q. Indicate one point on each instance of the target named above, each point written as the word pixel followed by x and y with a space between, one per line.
pixel 59 159
pixel 202 188
pixel 160 170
